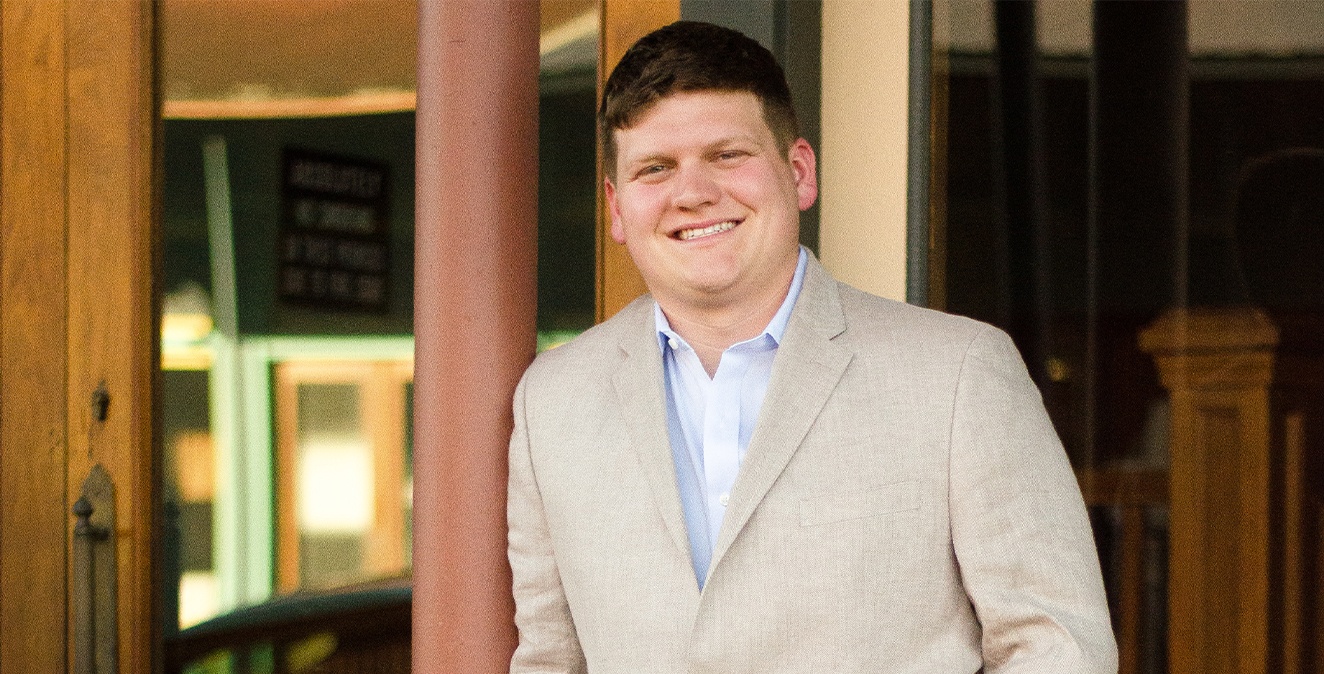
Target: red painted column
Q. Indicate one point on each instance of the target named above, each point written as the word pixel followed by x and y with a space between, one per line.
pixel 475 262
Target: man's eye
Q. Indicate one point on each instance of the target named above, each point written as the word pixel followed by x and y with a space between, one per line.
pixel 652 169
pixel 729 155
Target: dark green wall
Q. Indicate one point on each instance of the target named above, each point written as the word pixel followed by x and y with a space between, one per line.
pixel 254 156
pixel 566 202
pixel 567 194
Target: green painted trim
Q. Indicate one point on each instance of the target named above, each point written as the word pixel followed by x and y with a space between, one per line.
pixel 259 498
pixel 242 527
pixel 245 524
pixel 280 348
pixel 242 407
pixel 919 148
pixel 228 512
pixel 220 236
pixel 550 338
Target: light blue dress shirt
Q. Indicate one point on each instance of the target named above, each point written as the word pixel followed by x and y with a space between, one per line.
pixel 710 420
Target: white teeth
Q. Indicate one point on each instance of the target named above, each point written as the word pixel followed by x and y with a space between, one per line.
pixel 687 234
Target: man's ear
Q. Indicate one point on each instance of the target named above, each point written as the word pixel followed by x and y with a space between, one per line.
pixel 617 228
pixel 804 168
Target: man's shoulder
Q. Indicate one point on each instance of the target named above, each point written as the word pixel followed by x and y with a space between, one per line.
pixel 596 348
pixel 869 322
pixel 874 318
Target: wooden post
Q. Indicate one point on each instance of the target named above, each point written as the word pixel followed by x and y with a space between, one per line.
pixel 1244 560
pixel 475 259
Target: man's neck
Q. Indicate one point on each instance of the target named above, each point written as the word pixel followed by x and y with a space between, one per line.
pixel 711 330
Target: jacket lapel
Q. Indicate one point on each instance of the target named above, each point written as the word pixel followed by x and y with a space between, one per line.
pixel 641 393
pixel 807 368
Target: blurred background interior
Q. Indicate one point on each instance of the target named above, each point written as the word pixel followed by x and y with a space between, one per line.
pixel 1094 168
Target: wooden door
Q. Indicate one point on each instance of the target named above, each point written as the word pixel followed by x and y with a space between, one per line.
pixel 77 232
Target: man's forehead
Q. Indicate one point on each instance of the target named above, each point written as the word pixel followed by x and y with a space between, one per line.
pixel 643 111
pixel 724 113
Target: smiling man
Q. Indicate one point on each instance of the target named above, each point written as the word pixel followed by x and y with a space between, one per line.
pixel 755 468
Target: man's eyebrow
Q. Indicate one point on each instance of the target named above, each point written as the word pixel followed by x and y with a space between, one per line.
pixel 728 140
pixel 712 145
pixel 654 158
pixel 669 157
pixel 630 167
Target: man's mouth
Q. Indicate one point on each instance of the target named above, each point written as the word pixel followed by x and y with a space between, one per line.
pixel 698 232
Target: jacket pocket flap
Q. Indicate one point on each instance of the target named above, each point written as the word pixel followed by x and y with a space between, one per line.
pixel 888 498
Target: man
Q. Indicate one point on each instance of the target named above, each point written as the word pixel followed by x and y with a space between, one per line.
pixel 758 469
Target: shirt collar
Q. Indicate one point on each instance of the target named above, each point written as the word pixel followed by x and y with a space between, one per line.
pixel 776 327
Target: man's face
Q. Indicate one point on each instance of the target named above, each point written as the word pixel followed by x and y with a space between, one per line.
pixel 706 202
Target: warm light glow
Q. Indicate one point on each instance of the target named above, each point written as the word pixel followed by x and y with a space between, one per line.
pixel 335 487
pixel 199 597
pixel 275 107
pixel 185 325
pixel 183 341
pixel 184 328
pixel 583 26
pixel 195 467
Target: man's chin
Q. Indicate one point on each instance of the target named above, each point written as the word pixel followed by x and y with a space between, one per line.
pixel 712 293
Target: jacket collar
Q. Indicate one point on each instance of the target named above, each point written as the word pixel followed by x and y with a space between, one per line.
pixel 808 365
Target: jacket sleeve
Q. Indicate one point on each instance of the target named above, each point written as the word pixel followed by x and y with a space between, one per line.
pixel 1019 528
pixel 547 640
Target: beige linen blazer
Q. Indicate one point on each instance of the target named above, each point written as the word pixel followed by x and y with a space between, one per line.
pixel 904 506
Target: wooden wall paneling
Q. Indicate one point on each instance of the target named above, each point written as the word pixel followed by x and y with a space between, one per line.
pixel 863 162
pixel 112 330
pixel 623 22
pixel 33 512
pixel 403 432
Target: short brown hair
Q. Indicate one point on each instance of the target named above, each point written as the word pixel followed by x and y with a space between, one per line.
pixel 693 56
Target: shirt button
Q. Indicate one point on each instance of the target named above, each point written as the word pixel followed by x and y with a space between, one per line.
pixel 724 499
pixel 671 341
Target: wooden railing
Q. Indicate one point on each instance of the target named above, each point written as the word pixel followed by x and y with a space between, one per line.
pixel 358 630
pixel 1131 494
pixel 1246 511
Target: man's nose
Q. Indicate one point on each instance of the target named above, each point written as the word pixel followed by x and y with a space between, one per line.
pixel 696 187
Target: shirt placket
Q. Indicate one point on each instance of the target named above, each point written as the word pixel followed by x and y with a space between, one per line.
pixel 721 437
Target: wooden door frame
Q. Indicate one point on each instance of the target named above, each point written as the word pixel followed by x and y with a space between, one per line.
pixel 78 271
pixel 622 23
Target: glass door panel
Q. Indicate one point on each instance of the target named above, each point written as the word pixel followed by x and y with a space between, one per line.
pixel 1132 191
